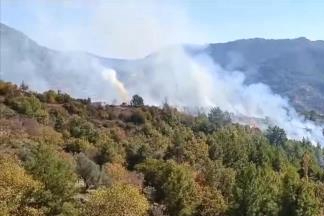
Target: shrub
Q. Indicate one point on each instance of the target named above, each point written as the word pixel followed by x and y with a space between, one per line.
pixel 29 106
pixel 17 189
pixel 76 145
pixel 80 128
pixel 88 171
pixel 118 200
pixel 137 117
pixel 7 88
pixel 6 112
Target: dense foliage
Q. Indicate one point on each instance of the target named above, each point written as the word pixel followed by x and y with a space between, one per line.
pixel 65 156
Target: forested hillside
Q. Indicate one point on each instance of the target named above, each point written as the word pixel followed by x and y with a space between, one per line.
pixel 66 156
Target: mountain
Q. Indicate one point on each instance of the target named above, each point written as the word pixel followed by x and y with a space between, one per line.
pixel 293 68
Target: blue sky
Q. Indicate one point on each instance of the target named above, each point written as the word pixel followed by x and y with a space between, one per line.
pixel 50 22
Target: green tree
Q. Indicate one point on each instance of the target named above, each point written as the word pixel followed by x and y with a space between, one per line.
pixel 175 185
pixel 307 203
pixel 277 136
pixel 56 175
pixel 137 101
pixel 219 177
pixel 252 196
pixel 219 118
pixel 232 144
pixel 88 171
pixel 298 196
pixel 108 151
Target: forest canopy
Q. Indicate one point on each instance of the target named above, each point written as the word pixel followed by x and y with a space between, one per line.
pixel 66 156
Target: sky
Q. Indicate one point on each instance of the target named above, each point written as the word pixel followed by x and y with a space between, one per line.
pixel 132 29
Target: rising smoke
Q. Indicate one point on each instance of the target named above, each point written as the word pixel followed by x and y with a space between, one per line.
pixel 188 81
pixel 185 80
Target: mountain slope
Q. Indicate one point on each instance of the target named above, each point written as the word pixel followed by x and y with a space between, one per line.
pixel 292 68
pixel 41 68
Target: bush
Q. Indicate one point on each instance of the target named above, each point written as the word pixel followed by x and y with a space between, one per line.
pixel 138 117
pixel 29 106
pixel 88 171
pixel 58 118
pixel 6 112
pixel 108 151
pixel 8 89
pixel 76 145
pixel 80 128
pixel 17 189
pixel 118 200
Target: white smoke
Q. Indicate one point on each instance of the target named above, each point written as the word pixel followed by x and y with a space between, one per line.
pixel 111 76
pixel 133 29
pixel 188 81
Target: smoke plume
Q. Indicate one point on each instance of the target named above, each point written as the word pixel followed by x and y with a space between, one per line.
pixel 129 29
pixel 196 81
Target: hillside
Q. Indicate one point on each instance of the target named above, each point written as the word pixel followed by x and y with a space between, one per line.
pixel 66 156
pixel 292 68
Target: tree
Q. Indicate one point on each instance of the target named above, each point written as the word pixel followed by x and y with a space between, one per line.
pixel 24 86
pixel 87 170
pixel 117 200
pixel 305 164
pixel 298 196
pixel 220 178
pixel 231 144
pixel 276 136
pixel 180 191
pixel 307 203
pixel 137 101
pixel 219 118
pixel 212 204
pixel 108 151
pixel 290 182
pixel 17 189
pixel 254 197
pixel 56 175
pixel 175 185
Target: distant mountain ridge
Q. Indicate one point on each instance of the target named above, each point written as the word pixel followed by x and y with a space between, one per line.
pixel 293 68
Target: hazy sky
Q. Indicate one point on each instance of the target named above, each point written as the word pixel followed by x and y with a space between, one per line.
pixel 126 28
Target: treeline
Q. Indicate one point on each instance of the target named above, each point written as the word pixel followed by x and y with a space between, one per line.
pixel 65 156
